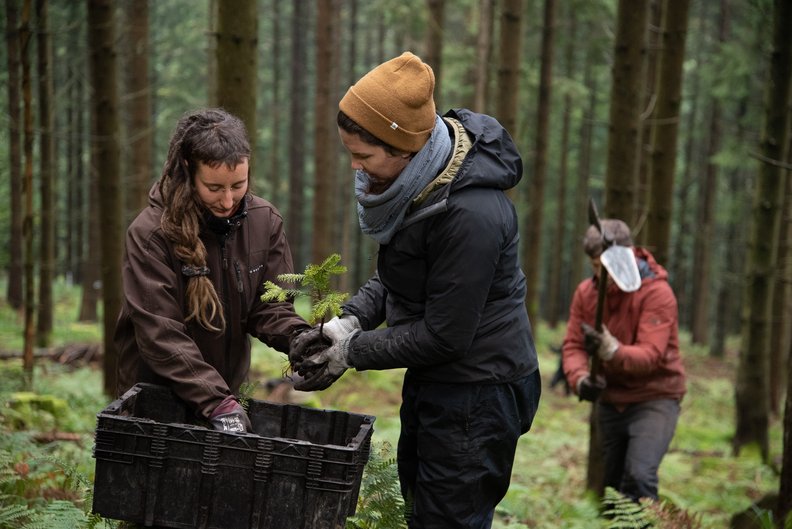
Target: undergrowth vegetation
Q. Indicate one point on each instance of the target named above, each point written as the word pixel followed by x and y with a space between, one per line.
pixel 46 439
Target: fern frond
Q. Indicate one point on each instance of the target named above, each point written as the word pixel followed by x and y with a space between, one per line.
pixel 622 512
pixel 57 514
pixel 12 515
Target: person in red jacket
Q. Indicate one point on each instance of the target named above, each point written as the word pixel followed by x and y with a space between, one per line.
pixel 642 379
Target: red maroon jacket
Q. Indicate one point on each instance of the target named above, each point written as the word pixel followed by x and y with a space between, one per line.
pixel 647 365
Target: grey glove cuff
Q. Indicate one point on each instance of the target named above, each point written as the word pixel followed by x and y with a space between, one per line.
pixel 343 345
pixel 339 327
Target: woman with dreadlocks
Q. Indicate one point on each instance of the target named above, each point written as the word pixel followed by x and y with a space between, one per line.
pixel 196 259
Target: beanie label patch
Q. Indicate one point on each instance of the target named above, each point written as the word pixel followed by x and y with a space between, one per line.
pixel 394 125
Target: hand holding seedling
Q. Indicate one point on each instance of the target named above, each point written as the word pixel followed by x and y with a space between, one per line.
pixel 324 302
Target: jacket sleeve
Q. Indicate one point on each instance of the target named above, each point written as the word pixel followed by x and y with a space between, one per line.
pixel 657 319
pixel 575 359
pixel 153 295
pixel 275 323
pixel 463 248
pixel 368 304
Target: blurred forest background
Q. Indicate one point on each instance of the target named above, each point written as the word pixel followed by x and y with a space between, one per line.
pixel 673 115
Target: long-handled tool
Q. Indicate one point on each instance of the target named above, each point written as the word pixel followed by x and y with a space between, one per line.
pixel 618 262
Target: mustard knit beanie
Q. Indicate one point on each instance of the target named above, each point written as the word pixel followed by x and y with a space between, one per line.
pixel 394 102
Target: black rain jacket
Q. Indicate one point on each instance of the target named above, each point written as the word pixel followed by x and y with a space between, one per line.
pixel 449 283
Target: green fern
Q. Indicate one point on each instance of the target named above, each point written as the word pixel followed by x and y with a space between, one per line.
pixel 380 505
pixel 622 512
pixel 315 283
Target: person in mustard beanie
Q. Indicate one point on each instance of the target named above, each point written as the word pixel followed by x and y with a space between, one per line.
pixel 448 286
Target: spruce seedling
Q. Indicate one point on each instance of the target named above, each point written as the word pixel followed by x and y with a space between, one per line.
pixel 315 283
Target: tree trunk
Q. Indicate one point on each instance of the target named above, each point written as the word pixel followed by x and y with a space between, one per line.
pixel 648 113
pixel 535 218
pixel 510 44
pixel 25 42
pixel 702 248
pixel 665 127
pixel 624 128
pixel 483 56
pixel 47 167
pixel 237 45
pixel 276 179
pixel 106 163
pixel 138 124
pixel 584 166
pixel 296 211
pixel 325 131
pixel 434 44
pixel 14 292
pixel 751 393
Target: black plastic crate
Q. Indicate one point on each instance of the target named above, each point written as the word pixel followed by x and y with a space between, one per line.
pixel 300 468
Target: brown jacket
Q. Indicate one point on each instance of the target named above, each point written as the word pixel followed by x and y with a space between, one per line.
pixel 647 365
pixel 156 345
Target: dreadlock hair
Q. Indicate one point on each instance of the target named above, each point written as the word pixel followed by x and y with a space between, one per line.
pixel 212 137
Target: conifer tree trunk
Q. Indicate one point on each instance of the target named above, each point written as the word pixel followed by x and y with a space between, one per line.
pixel 751 393
pixel 25 43
pixel 14 291
pixel 297 207
pixel 47 179
pixel 624 129
pixel 346 201
pixel 483 56
pixel 138 162
pixel 535 219
pixel 237 46
pixel 276 179
pixel 434 44
pixel 665 127
pixel 106 165
pixel 325 131
pixel 510 43
pixel 702 248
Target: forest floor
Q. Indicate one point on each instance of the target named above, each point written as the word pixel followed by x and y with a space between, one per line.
pixel 47 457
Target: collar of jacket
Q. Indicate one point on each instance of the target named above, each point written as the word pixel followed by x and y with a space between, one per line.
pixel 222 226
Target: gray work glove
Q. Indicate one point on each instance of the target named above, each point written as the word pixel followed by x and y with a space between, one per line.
pixel 590 390
pixel 324 368
pixel 602 344
pixel 230 417
pixel 309 342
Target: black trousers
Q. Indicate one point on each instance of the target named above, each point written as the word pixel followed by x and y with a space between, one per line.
pixel 456 448
pixel 634 442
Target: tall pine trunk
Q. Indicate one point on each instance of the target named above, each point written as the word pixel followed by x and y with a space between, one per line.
pixel 325 135
pixel 752 395
pixel 105 169
pixel 535 222
pixel 434 44
pixel 624 124
pixel 296 210
pixel 47 179
pixel 665 128
pixel 14 291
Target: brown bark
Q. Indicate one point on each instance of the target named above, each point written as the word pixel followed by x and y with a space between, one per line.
pixel 47 178
pixel 25 42
pixel 138 124
pixel 105 165
pixel 626 106
pixel 510 43
pixel 665 127
pixel 534 221
pixel 14 292
pixel 296 210
pixel 483 56
pixel 325 218
pixel 702 249
pixel 434 44
pixel 751 395
pixel 237 45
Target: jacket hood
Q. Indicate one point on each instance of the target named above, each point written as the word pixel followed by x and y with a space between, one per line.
pixel 494 160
